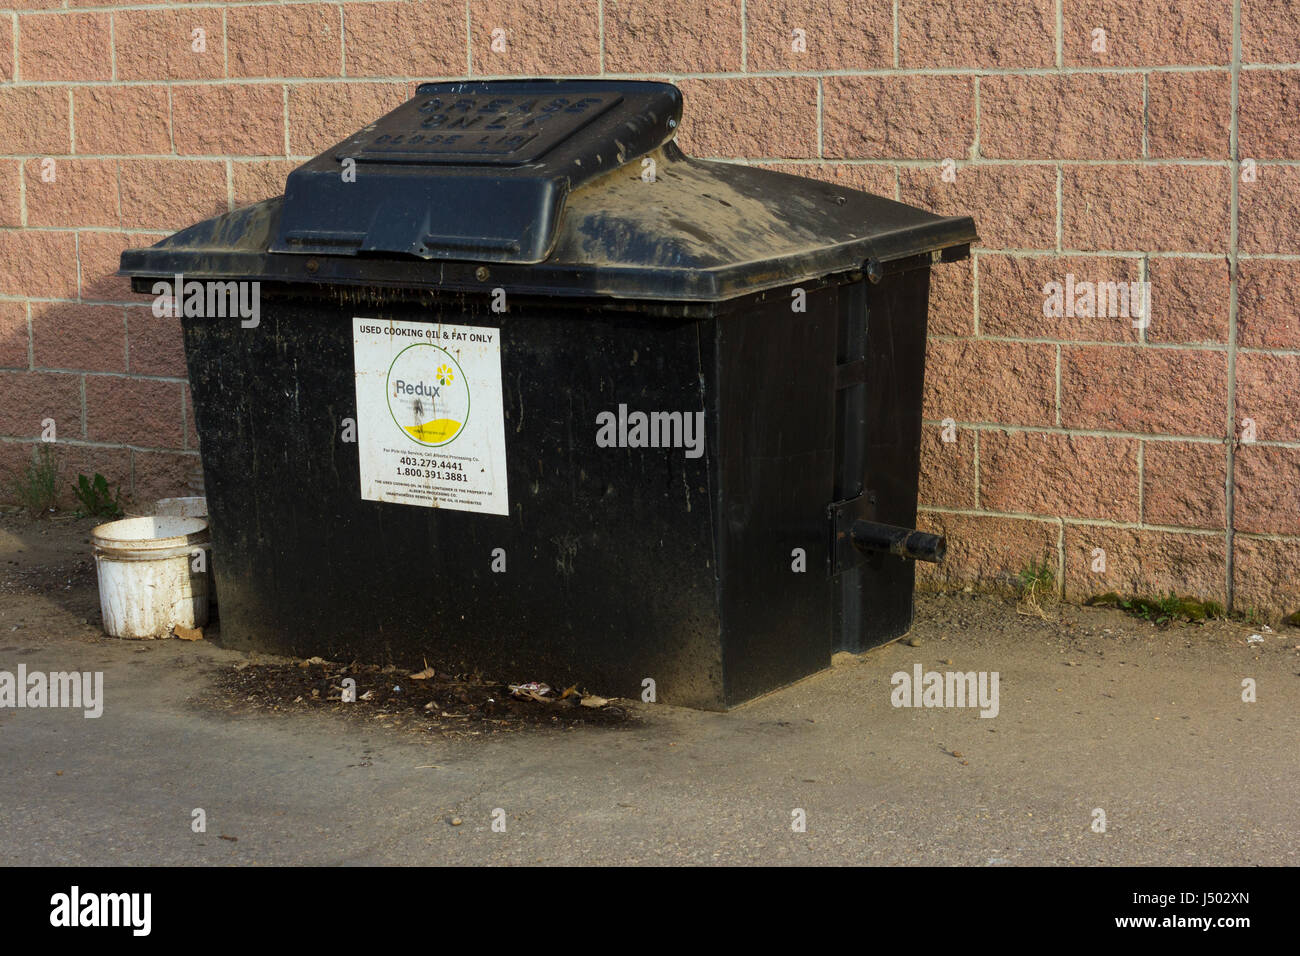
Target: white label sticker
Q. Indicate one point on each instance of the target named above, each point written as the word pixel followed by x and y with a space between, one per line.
pixel 430 425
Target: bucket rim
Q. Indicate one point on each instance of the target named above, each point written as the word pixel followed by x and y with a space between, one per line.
pixel 178 532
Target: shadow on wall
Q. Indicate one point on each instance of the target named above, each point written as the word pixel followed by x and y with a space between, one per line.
pixel 38 475
pixel 103 384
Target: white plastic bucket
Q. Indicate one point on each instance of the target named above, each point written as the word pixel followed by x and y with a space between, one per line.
pixel 193 507
pixel 150 576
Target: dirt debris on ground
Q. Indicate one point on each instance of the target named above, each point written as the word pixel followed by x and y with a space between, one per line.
pixel 451 703
pixel 47 577
pixel 46 555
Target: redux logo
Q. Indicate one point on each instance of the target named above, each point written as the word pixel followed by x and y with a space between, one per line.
pixel 428 394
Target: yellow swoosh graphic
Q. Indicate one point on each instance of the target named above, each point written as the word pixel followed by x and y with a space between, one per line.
pixel 438 430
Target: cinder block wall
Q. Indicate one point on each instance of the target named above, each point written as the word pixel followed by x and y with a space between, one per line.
pixel 1111 141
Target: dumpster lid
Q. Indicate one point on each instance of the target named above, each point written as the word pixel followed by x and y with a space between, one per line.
pixel 471 170
pixel 563 187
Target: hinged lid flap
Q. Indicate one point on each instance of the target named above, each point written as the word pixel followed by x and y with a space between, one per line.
pixel 471 171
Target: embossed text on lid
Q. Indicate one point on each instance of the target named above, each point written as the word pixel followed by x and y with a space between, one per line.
pixel 478 127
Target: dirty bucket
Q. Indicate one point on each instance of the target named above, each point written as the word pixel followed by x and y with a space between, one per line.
pixel 147 580
pixel 191 507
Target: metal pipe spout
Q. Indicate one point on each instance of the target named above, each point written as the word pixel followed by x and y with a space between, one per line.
pixel 904 542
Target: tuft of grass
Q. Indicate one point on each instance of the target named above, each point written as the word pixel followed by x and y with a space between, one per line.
pixel 1251 615
pixel 1035 584
pixel 1161 610
pixel 98 499
pixel 37 487
pixel 1213 610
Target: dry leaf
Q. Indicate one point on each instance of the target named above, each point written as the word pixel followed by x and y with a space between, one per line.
pixel 187 633
pixel 426 674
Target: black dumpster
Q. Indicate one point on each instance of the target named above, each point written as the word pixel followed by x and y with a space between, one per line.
pixel 526 390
